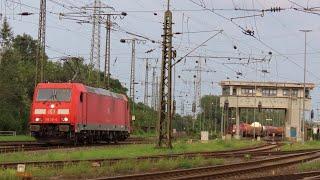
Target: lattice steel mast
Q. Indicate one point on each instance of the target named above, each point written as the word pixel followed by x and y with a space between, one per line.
pixel 165 96
pixel 107 53
pixel 42 43
pixel 95 37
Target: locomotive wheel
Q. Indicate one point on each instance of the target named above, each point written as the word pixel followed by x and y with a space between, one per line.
pixel 115 137
pixel 115 140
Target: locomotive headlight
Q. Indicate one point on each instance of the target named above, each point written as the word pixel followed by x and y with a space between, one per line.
pixel 52 106
pixel 40 111
pixel 37 119
pixel 63 111
pixel 65 119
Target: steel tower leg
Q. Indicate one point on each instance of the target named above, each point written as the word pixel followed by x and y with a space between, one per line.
pixel 165 92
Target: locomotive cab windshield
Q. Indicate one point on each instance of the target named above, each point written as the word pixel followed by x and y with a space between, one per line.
pixel 50 94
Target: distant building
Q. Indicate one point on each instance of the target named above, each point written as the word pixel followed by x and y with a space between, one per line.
pixel 269 95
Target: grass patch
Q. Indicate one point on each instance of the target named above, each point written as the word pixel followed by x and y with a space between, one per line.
pixel 8 174
pixel 17 138
pixel 300 146
pixel 142 134
pixel 309 166
pixel 85 170
pixel 123 151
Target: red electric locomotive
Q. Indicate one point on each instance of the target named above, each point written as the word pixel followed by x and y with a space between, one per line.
pixel 78 114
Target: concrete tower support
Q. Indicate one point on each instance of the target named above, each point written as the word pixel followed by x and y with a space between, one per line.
pixel 269 95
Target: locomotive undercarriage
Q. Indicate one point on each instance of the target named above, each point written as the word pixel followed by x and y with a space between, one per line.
pixel 92 137
pixel 63 133
pixel 51 133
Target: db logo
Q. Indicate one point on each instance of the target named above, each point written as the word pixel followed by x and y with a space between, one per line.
pixel 51 111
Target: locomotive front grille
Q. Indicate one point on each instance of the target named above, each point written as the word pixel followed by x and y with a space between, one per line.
pixel 35 128
pixel 64 128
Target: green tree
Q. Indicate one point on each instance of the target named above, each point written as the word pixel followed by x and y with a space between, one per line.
pixel 210 116
pixel 145 117
pixel 6 35
pixel 182 123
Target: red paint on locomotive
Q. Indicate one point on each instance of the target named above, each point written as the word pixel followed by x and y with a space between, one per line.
pixel 79 113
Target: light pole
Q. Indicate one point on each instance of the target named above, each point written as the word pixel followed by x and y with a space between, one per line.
pixel 304 82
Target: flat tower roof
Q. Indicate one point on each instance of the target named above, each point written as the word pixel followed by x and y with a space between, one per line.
pixel 266 84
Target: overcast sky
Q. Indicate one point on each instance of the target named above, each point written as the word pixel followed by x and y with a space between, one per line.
pixel 276 32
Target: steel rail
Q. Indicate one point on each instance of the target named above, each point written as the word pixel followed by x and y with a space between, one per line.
pixel 37 147
pixel 213 154
pixel 294 176
pixel 236 172
pixel 221 171
pixel 34 146
pixel 19 146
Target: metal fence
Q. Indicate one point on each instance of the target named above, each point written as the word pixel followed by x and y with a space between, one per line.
pixel 8 133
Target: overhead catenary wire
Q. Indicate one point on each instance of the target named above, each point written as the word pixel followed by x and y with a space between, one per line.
pixel 194 49
pixel 259 40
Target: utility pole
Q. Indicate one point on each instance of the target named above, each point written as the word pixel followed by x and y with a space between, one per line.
pixel 133 70
pixel 133 42
pixel 153 89
pixel 194 104
pixel 165 95
pixel 304 82
pixel 198 90
pixel 109 24
pixel 182 107
pixel 95 37
pixel 146 81
pixel 156 99
pixel 42 42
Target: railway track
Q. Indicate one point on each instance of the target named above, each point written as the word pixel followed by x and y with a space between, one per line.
pixel 257 151
pixel 19 146
pixel 295 176
pixel 38 147
pixel 227 171
pixel 19 143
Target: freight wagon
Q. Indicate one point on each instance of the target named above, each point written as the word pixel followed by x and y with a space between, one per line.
pixel 249 130
pixel 73 112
